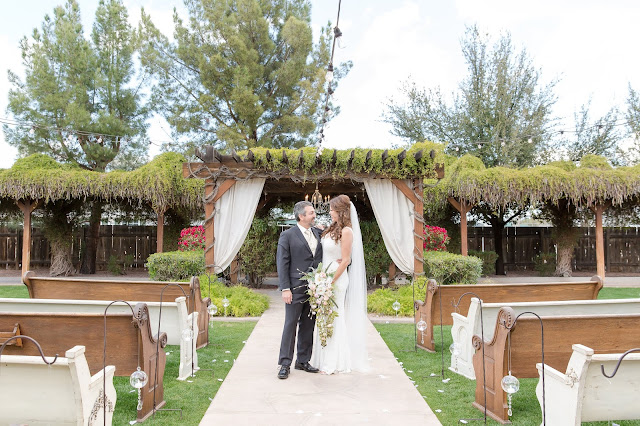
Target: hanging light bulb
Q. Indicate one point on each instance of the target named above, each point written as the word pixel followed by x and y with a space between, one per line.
pixel 396 307
pixel 422 326
pixel 329 75
pixel 454 348
pixel 530 140
pixel 187 334
pixel 337 35
pixel 138 379
pixel 479 146
pixel 213 310
pixel 32 131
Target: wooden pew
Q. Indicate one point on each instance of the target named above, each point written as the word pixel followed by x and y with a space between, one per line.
pixel 464 328
pixel 429 310
pixel 583 394
pixel 144 291
pixel 32 392
pixel 129 343
pixel 175 320
pixel 604 333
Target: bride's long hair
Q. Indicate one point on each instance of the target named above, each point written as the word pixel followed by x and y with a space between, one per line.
pixel 342 206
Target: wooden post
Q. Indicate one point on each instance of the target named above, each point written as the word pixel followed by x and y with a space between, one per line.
pixel 209 211
pixel 415 197
pixel 27 207
pixel 598 209
pixel 160 230
pixel 463 207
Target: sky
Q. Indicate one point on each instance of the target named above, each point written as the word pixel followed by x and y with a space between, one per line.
pixel 589 46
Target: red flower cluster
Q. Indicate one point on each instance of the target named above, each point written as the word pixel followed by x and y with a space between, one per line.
pixel 191 238
pixel 435 238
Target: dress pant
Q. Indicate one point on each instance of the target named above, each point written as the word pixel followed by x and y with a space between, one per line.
pixel 297 316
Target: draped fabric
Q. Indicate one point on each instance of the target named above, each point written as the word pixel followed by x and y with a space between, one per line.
pixel 394 213
pixel 234 213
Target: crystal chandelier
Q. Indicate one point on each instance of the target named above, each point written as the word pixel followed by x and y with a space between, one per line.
pixel 320 204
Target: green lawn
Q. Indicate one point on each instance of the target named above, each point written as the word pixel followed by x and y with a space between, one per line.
pixel 619 293
pixel 193 398
pixel 458 394
pixel 14 291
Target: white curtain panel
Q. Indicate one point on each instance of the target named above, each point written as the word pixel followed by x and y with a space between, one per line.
pixel 232 220
pixel 394 213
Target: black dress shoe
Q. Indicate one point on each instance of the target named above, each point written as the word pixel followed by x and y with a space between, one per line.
pixel 284 372
pixel 306 367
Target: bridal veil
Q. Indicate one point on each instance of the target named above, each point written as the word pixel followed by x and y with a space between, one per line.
pixel 356 300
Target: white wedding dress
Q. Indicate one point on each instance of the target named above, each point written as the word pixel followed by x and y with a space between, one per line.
pixel 336 356
pixel 346 349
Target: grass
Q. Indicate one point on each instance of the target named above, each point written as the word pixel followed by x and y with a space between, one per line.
pixel 619 293
pixel 193 398
pixel 459 393
pixel 14 291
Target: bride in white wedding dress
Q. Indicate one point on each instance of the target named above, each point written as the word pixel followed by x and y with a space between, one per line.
pixel 343 254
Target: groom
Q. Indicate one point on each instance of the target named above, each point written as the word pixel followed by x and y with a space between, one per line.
pixel 299 249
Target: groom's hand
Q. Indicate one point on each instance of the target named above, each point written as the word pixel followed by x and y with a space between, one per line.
pixel 287 296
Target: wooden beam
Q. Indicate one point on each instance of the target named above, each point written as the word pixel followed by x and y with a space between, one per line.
pixel 463 207
pixel 268 155
pixel 418 156
pixel 250 157
pixel 402 156
pixel 160 230
pixel 599 209
pixel 224 187
pixel 367 158
pixel 351 157
pixel 235 156
pixel 334 157
pixel 402 186
pixel 301 159
pixel 432 154
pixel 285 159
pixel 27 207
pixel 384 156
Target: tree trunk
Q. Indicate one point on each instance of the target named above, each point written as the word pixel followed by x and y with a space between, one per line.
pixel 61 257
pixel 91 240
pixel 565 254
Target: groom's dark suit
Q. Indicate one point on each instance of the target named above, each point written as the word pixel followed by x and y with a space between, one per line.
pixel 294 255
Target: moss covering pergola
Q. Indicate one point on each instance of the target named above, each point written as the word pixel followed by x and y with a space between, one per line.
pixel 290 174
pixel 38 179
pixel 595 184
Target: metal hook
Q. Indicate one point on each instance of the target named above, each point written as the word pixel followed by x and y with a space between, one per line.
pixel 20 336
pixel 615 370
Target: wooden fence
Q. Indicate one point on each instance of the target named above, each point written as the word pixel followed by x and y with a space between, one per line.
pixel 523 244
pixel 121 241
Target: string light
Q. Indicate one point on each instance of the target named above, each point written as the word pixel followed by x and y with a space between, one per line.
pixel 337 37
pixel 71 133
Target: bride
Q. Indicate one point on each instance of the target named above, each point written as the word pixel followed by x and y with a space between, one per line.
pixel 346 350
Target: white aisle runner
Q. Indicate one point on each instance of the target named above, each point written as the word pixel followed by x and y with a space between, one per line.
pixel 253 395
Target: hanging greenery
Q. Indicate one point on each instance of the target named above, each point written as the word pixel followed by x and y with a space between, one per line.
pixel 312 164
pixel 159 183
pixel 593 181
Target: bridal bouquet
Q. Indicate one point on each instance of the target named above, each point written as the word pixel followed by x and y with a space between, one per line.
pixel 322 302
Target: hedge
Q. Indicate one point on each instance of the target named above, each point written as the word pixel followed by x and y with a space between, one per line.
pixel 449 268
pixel 175 265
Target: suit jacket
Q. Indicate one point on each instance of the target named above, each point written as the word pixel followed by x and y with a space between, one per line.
pixel 294 256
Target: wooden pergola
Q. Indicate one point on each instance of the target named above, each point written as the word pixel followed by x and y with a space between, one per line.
pixel 289 176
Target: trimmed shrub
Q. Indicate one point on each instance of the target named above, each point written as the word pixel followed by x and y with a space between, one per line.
pixel 545 264
pixel 488 260
pixel 381 300
pixel 257 256
pixel 449 268
pixel 243 301
pixel 376 258
pixel 175 265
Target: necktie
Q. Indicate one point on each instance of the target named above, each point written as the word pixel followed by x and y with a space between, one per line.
pixel 311 240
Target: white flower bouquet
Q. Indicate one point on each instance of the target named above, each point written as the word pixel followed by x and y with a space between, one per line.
pixel 323 305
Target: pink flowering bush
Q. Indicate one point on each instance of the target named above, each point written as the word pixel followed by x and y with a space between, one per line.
pixel 435 238
pixel 191 239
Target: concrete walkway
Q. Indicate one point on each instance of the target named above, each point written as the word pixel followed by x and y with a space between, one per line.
pixel 253 395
